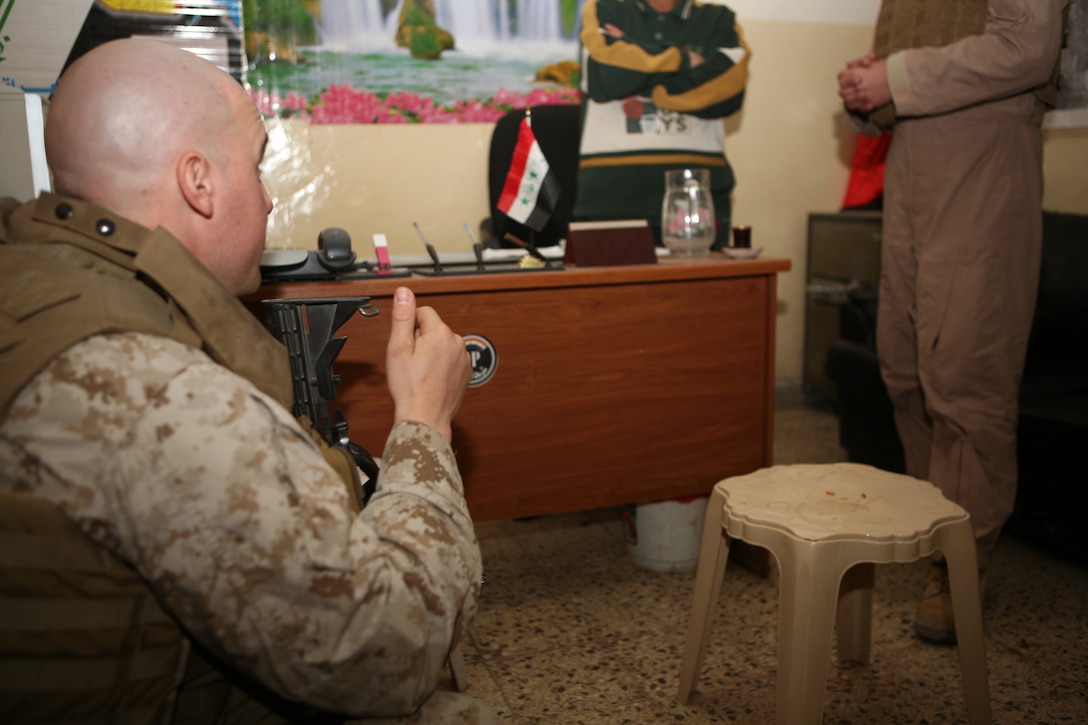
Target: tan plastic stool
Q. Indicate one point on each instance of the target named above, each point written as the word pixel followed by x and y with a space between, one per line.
pixel 826 526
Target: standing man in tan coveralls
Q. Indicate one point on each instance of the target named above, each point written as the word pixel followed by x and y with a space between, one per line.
pixel 964 84
pixel 176 546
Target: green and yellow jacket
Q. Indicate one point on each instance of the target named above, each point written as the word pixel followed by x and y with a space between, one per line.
pixel 647 109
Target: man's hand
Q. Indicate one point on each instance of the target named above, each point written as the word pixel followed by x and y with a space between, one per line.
pixel 863 62
pixel 864 84
pixel 427 365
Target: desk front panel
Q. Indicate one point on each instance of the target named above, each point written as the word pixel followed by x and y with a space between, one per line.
pixel 604 394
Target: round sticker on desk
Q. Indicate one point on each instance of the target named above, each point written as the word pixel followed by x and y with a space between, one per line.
pixel 484 359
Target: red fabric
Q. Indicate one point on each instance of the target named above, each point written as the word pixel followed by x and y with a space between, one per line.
pixel 866 183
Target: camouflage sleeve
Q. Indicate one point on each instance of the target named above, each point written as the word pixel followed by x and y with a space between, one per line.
pixel 227 508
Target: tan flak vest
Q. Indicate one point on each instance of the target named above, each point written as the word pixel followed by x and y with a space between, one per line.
pixel 77 270
pixel 905 24
pixel 82 638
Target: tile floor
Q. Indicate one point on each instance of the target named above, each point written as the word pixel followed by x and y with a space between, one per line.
pixel 571 631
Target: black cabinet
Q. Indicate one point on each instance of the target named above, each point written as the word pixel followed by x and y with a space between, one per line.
pixel 843 254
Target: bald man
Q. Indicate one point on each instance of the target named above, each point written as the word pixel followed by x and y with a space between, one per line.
pixel 175 543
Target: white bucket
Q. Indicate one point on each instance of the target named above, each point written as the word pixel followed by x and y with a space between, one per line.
pixel 665 536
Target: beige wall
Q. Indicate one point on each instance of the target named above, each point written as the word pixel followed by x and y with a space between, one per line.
pixel 790 154
pixel 1065 169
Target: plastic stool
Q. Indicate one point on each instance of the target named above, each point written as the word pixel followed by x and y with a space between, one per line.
pixel 827 525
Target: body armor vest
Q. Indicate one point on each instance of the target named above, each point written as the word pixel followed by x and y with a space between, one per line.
pixel 85 640
pixel 78 270
pixel 83 635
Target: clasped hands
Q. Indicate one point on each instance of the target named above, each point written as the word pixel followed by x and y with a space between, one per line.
pixel 863 86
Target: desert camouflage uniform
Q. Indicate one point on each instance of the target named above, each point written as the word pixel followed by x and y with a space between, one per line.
pixel 225 506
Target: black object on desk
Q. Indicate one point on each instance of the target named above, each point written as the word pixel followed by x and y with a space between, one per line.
pixel 333 259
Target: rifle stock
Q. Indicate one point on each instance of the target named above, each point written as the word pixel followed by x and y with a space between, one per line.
pixel 306 327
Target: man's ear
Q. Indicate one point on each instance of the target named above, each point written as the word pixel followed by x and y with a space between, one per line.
pixel 194 179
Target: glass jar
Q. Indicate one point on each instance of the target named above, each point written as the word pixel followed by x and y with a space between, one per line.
pixel 687 213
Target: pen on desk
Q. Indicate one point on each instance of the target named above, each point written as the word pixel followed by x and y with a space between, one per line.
pixel 430 249
pixel 477 248
pixel 527 246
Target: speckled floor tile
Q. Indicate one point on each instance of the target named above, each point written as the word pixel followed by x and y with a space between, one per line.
pixel 571 631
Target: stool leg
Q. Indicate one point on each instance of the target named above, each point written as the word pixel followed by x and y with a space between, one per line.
pixel 854 615
pixel 809 590
pixel 713 554
pixel 957 541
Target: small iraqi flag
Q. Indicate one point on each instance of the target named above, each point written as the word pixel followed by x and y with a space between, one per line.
pixel 531 191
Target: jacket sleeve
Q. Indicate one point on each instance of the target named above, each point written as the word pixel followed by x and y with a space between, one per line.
pixel 619 68
pixel 1016 53
pixel 247 536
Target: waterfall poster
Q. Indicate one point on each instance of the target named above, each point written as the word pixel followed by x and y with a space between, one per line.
pixel 410 61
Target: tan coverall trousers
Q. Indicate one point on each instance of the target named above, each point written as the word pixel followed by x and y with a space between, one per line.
pixel 960 268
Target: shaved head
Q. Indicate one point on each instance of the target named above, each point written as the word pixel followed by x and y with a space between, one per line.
pixel 154 133
pixel 123 113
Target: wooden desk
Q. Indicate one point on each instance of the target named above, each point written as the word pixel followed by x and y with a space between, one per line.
pixel 614 385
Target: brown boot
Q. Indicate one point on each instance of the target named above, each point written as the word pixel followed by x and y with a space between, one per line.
pixel 933 622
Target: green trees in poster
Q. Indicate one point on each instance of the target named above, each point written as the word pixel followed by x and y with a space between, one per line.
pixel 274 28
pixel 292 73
pixel 419 33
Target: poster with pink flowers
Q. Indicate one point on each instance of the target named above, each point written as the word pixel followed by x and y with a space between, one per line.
pixel 409 61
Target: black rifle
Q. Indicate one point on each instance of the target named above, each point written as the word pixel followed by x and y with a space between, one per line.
pixel 306 328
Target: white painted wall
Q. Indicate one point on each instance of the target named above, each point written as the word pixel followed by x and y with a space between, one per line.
pixel 22 146
pixel 846 12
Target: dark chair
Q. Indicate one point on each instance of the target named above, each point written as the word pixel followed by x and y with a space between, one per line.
pixel 866 419
pixel 557 130
pixel 1052 428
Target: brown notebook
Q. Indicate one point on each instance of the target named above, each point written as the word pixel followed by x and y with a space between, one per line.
pixel 607 243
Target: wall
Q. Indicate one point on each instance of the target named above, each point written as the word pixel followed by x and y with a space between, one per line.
pixel 21 145
pixel 1065 170
pixel 790 154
